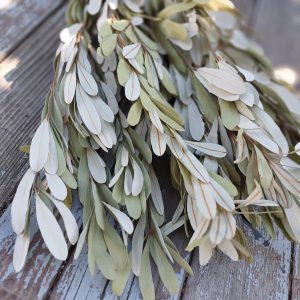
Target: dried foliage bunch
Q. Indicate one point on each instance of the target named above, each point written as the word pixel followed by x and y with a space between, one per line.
pixel 137 78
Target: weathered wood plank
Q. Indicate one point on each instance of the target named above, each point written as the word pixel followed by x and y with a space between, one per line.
pixel 295 276
pixel 19 18
pixel 40 270
pixel 266 278
pixel 25 77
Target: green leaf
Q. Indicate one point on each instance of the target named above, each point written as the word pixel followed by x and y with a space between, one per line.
pixel 175 8
pixel 229 114
pixel 135 113
pixel 165 270
pixel 142 146
pixel 264 170
pixel 145 278
pixel 109 44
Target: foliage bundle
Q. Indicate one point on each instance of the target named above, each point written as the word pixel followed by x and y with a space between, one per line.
pixel 136 79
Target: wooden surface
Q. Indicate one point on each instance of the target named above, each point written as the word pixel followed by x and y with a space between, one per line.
pixel 29 34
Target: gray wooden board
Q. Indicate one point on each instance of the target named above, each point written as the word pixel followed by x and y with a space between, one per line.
pixel 41 268
pixel 19 17
pixel 25 77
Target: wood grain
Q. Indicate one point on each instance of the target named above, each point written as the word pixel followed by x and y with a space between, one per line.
pixel 41 268
pixel 19 17
pixel 266 278
pixel 25 77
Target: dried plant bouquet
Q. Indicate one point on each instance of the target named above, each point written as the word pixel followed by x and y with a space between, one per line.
pixel 141 78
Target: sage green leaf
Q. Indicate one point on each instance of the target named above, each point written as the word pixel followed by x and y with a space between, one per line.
pixel 115 246
pixel 68 178
pixel 175 8
pixel 120 25
pixel 108 44
pixel 165 270
pixel 98 207
pixel 135 113
pixel 141 145
pixel 264 170
pixel 145 278
pixel 229 114
pixel 121 279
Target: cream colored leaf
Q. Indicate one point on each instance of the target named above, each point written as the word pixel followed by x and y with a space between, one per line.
pixel 20 251
pixel 132 87
pixel 70 85
pixel 131 51
pixel 57 187
pixel 96 166
pixel 123 219
pixel 39 149
pixel 204 199
pixel 158 141
pixel 87 81
pixel 88 111
pixel 218 229
pixel 51 231
pixel 20 202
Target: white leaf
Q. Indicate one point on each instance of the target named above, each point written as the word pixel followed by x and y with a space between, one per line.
pixel 262 138
pixel 231 225
pixel 131 51
pixel 124 157
pixel 195 166
pixel 205 252
pixel 96 166
pixel 115 178
pixel 93 6
pixel 104 110
pixel 297 148
pixel 128 182
pixel 51 165
pixel 39 149
pixel 20 203
pixel 230 83
pixel 217 91
pixel 123 219
pixel 218 229
pixel 56 186
pixel 156 121
pixel 247 74
pixel 204 199
pixel 227 247
pixel 272 128
pixel 83 59
pixel 88 111
pixel 158 141
pixel 248 98
pixel 70 85
pixel 210 149
pixel 20 251
pixel 132 87
pixel 69 221
pixel 50 230
pixel 87 81
pixel 221 196
pixel 138 179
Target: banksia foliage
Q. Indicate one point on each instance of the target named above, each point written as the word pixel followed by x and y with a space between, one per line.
pixel 136 79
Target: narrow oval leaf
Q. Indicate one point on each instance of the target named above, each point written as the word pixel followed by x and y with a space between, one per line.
pixel 51 231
